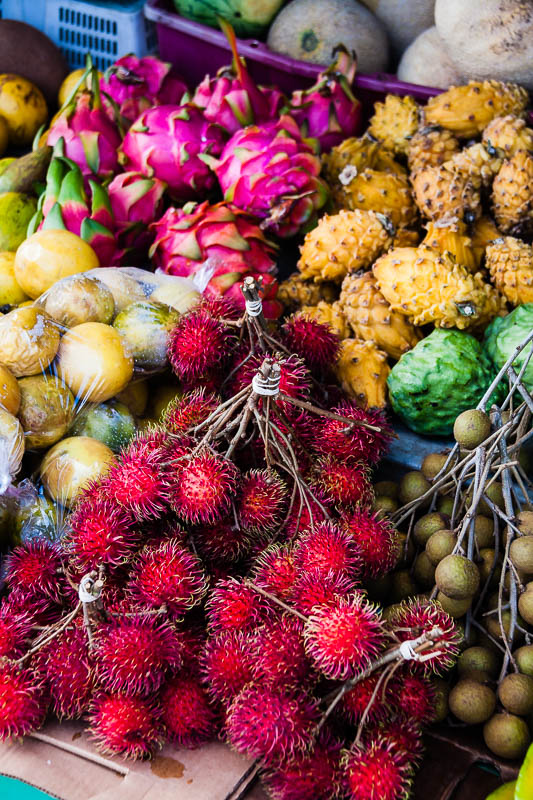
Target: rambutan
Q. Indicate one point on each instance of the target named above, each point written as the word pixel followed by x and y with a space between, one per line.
pixel 199 343
pixel 262 500
pixel 347 482
pixel 376 539
pixel 100 531
pixel 222 542
pixel 413 696
pixel 326 549
pixel 312 775
pixel 413 617
pixel 357 700
pixel 15 628
pixel 40 609
pixel 228 664
pixel 167 574
pixel 202 487
pixel 374 771
pixel 404 734
pixel 189 410
pixel 343 638
pixel 313 341
pixel 193 641
pixel 270 724
pixel 275 570
pixel 280 659
pixel 235 606
pixel 295 379
pixel 128 726
pixel 65 663
pixel 134 654
pixel 316 587
pixel 139 481
pixel 343 441
pixel 23 701
pixel 35 569
pixel 307 513
pixel 188 714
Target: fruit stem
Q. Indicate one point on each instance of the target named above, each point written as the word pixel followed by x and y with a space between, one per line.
pixel 276 600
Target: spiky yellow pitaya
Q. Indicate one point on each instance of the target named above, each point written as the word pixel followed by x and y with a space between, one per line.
pixel 328 314
pixel 512 194
pixel 294 292
pixel 508 134
pixel 405 237
pixel 440 192
pixel 372 319
pixel 362 153
pixel 343 243
pixel 362 371
pixel 510 263
pixel 394 122
pixel 479 163
pixel 431 146
pixel 373 190
pixel 467 110
pixel 427 286
pixel 449 236
pixel 482 232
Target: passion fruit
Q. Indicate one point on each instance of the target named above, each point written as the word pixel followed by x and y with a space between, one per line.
pixel 11 448
pixel 10 292
pixel 439 545
pixel 46 410
pixel 507 735
pixel 472 702
pixel 515 693
pixel 71 464
pixel 78 299
pixel 135 397
pixel 428 525
pixel 471 428
pixel 93 362
pixel 9 391
pixel 29 339
pixel 432 464
pixel 111 423
pixel 47 256
pixel 124 288
pixel 178 294
pixel 412 486
pixel 457 577
pixel 145 329
pixel 36 517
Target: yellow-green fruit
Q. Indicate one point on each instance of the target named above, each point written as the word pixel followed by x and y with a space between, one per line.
pixel 441 700
pixel 478 659
pixel 524 659
pixel 135 397
pixel 9 391
pixel 71 464
pixel 35 516
pixel 412 486
pixel 70 83
pixel 145 328
pixel 445 505
pixel 515 693
pixel 23 107
pixel 524 522
pixel 487 567
pixel 505 792
pixel 439 545
pixel 525 606
pixel 29 339
pixel 507 735
pixel 455 608
pixel 428 525
pixel 16 210
pixel 403 586
pixel 11 447
pixel 493 624
pixel 432 464
pixel 389 488
pixel 176 293
pixel 49 255
pixel 457 577
pixel 472 702
pixel 521 553
pixel 483 531
pixel 424 571
pixel 471 428
pixel 384 504
pixel 124 288
pixel 494 492
pixel 79 299
pixel 10 292
pixel 93 362
pixel 46 410
pixel 160 399
pixel 524 783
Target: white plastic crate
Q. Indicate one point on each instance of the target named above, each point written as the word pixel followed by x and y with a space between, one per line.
pixel 107 30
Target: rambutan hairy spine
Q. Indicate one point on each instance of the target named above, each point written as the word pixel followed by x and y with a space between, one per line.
pixel 262 501
pixel 35 568
pixel 313 341
pixel 280 660
pixel 202 487
pixel 235 606
pixel 376 539
pixel 23 701
pixel 139 481
pixel 199 343
pixel 314 774
pixel 188 714
pixel 227 664
pixel 68 672
pixel 128 726
pixel 326 549
pixel 375 772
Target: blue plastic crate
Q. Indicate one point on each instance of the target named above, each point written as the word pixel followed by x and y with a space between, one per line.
pixel 107 30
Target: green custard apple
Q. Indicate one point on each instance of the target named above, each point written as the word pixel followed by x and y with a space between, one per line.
pixel 445 374
pixel 504 334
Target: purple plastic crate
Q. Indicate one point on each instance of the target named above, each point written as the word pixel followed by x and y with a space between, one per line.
pixel 195 49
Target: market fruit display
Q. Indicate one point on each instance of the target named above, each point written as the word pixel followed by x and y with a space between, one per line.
pixel 248 17
pixel 23 107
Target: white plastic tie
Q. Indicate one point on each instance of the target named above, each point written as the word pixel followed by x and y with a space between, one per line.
pixel 266 387
pixel 408 652
pixel 254 307
pixel 85 590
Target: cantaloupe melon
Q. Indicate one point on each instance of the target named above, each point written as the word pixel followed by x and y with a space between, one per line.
pixel 426 61
pixel 404 21
pixel 309 30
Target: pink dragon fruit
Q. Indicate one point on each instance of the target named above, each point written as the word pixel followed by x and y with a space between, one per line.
pixel 221 242
pixel 91 138
pixel 64 205
pixel 173 144
pixel 274 173
pixel 135 84
pixel 232 99
pixel 136 201
pixel 328 111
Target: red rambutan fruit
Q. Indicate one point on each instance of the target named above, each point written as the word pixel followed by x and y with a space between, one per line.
pixel 15 629
pixel 100 531
pixel 275 570
pixel 167 574
pixel 280 659
pixel 39 609
pixel 326 549
pixel 193 641
pixel 188 714
pixel 228 664
pixel 312 775
pixel 404 734
pixel 68 673
pixel 316 588
pixel 223 541
pixel 189 410
pixel 262 500
pixel 355 702
pixel 342 442
pixel 376 539
pixel 343 638
pixel 134 654
pixel 270 724
pixel 35 568
pixel 235 606
pixel 413 617
pixel 413 696
pixel 202 487
pixel 374 771
pixel 139 481
pixel 295 380
pixel 314 342
pixel 128 726
pixel 23 701
pixel 199 343
pixel 346 482
pixel 307 513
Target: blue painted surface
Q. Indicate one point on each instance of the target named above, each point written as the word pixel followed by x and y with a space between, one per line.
pixel 11 789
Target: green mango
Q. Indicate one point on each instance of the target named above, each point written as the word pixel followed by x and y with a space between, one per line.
pixel 505 792
pixel 16 210
pixel 24 172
